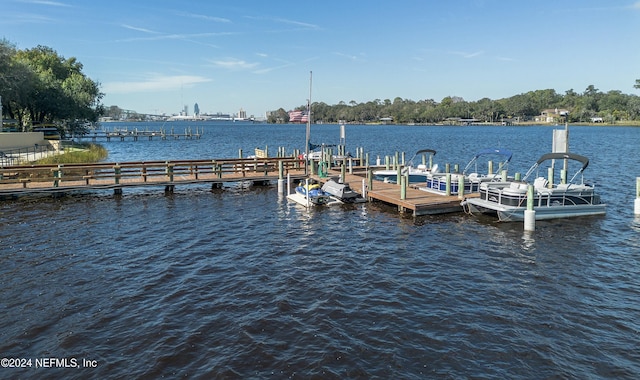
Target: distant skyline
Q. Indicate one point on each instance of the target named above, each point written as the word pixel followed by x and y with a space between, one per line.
pixel 158 56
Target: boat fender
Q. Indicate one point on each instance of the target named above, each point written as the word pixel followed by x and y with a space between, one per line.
pixel 434 168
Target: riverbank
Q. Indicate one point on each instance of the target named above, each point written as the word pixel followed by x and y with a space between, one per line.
pixel 77 153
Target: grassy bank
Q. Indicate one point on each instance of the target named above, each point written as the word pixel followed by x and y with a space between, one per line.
pixel 82 153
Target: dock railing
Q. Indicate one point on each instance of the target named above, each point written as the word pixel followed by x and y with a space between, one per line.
pixel 109 175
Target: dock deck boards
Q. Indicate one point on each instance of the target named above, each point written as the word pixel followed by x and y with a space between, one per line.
pixel 419 202
pixel 14 180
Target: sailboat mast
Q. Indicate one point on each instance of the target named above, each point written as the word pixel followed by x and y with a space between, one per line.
pixel 306 146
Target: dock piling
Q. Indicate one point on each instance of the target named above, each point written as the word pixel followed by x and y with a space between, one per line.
pixel 530 213
pixel 636 208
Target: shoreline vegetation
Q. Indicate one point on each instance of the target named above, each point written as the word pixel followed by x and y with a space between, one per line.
pixel 77 154
pixel 626 123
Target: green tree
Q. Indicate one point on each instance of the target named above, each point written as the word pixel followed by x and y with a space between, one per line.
pixel 38 85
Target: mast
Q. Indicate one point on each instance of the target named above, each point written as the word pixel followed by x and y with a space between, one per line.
pixel 306 146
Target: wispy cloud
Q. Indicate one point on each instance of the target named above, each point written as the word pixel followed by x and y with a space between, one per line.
pixel 154 83
pixel 234 64
pixel 299 24
pixel 160 36
pixel 25 18
pixel 636 5
pixel 204 17
pixel 296 23
pixel 139 29
pixel 273 68
pixel 467 54
pixel 348 56
pixel 46 2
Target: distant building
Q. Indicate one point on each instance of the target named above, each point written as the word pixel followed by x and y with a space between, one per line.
pixel 552 115
pixel 242 114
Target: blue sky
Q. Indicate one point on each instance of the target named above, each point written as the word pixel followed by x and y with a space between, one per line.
pixel 154 56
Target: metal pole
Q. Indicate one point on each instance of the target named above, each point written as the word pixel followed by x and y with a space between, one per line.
pixel 306 147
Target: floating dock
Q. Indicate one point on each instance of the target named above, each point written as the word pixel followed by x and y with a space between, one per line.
pixel 418 202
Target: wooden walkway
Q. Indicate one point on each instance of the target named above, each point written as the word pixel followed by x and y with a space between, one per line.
pixel 136 135
pixel 27 179
pixel 418 202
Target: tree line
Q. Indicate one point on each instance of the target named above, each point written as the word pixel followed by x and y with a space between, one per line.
pixel 39 86
pixel 610 107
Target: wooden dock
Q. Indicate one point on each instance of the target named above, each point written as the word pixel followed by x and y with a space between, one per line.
pixel 418 202
pixel 136 135
pixel 28 179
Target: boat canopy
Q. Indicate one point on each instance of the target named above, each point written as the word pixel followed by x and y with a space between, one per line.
pixel 433 152
pixel 559 156
pixel 507 154
pixel 501 152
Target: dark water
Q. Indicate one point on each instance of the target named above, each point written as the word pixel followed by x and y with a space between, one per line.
pixel 239 283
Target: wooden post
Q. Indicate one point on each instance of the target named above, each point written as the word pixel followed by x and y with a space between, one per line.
pixel 117 172
pixel 370 179
pixel 57 174
pixel 402 180
pixel 169 170
pixel 550 175
pixel 460 186
pixel 217 169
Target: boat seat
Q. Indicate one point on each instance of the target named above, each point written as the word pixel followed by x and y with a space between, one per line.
pixel 540 183
pixel 434 168
pixel 422 167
